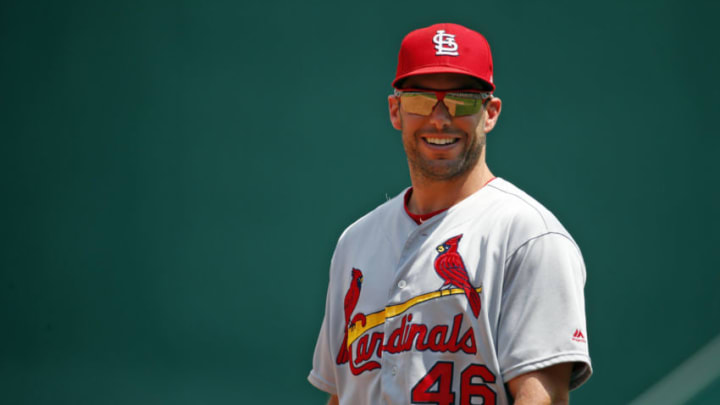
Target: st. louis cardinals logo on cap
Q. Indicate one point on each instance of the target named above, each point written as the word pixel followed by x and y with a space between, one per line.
pixel 445 44
pixel 450 267
pixel 444 48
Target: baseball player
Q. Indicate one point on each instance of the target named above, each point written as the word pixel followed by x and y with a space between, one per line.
pixel 462 289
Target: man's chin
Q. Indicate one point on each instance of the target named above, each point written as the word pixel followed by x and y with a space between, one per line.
pixel 441 169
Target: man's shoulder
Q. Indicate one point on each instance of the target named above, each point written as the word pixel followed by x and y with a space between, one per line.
pixel 521 212
pixel 375 220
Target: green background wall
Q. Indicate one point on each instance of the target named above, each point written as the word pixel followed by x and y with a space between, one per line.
pixel 175 176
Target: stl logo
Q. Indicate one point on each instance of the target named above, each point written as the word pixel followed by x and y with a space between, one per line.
pixel 445 44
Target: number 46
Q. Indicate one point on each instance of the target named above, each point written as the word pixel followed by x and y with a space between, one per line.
pixel 442 375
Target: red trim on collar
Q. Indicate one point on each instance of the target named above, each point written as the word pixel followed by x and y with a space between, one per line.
pixel 419 219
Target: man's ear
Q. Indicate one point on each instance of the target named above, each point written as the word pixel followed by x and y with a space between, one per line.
pixel 494 105
pixel 394 108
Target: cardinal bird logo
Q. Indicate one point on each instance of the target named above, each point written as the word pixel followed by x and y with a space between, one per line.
pixel 351 300
pixel 450 267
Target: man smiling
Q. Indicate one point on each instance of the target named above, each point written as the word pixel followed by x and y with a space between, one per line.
pixel 462 289
pixel 446 154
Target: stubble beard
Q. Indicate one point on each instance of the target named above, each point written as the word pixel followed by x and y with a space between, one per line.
pixel 444 169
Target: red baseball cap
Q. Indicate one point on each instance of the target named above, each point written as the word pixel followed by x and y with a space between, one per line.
pixel 445 48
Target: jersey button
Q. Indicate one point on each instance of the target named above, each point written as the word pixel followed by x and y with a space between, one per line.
pixel 394 370
pixel 402 284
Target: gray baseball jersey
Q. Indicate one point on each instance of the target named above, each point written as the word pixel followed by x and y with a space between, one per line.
pixel 448 311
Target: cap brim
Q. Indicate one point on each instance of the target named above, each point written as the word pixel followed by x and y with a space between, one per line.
pixel 439 69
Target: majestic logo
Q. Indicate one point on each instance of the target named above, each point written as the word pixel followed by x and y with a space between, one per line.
pixel 358 347
pixel 578 336
pixel 450 267
pixel 445 44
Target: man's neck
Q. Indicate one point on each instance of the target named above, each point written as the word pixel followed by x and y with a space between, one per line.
pixel 432 195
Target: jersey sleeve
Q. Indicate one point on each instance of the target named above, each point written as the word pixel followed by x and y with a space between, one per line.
pixel 542 319
pixel 322 374
pixel 323 370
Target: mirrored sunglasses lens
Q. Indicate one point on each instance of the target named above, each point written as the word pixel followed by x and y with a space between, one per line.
pixel 459 105
pixel 418 103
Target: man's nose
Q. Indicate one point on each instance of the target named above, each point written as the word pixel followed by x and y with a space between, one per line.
pixel 440 117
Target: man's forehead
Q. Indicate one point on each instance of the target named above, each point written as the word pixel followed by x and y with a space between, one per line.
pixel 442 81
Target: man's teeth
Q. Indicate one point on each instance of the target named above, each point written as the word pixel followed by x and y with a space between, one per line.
pixel 441 141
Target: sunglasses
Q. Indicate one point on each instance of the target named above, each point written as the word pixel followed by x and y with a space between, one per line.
pixel 458 102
